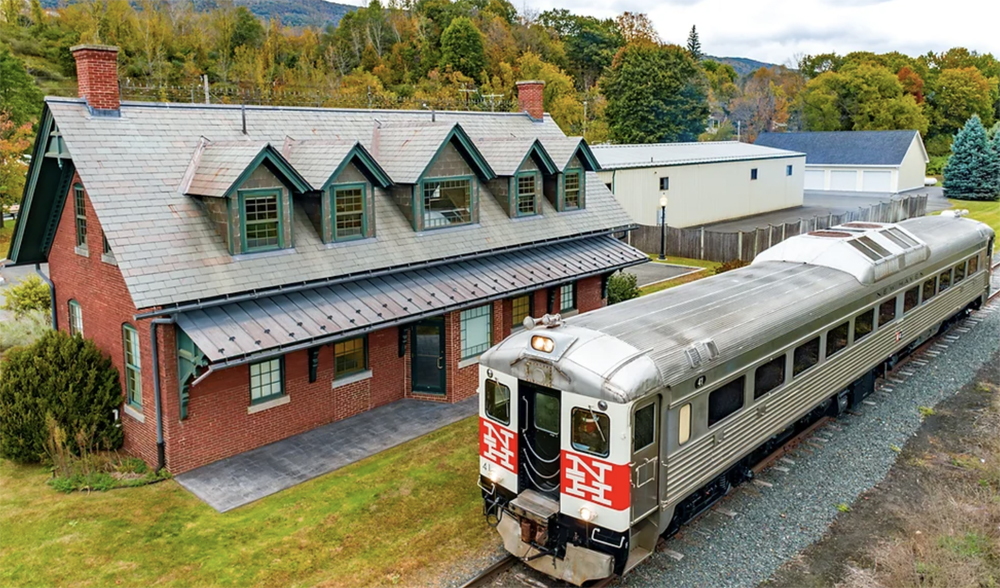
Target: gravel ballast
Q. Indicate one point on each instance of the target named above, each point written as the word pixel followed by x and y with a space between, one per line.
pixel 773 524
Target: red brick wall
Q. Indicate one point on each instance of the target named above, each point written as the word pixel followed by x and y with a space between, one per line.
pixel 97 75
pixel 588 294
pixel 530 97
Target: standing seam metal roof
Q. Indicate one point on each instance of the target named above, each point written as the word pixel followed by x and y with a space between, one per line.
pixel 664 154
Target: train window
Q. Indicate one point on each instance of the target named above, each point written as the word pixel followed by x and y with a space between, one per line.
pixel 591 431
pixel 836 339
pixel 944 281
pixel 806 356
pixel 684 424
pixel 547 413
pixel 726 400
pixel 911 298
pixel 973 264
pixel 887 312
pixel 863 324
pixel 497 401
pixel 959 272
pixel 644 427
pixel 929 292
pixel 768 377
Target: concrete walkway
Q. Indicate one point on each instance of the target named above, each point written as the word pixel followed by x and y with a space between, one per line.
pixel 244 478
pixel 654 272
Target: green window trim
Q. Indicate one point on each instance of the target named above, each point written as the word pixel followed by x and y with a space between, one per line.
pixel 350 357
pixel 527 208
pixel 420 202
pixel 80 214
pixel 567 297
pixel 261 194
pixel 564 200
pixel 133 366
pixel 346 216
pixel 75 319
pixel 267 380
pixel 476 330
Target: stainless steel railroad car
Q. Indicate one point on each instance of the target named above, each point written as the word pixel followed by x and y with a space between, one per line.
pixel 602 432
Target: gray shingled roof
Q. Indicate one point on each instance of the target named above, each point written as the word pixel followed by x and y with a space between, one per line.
pixel 218 165
pixel 505 154
pixel 844 147
pixel 561 148
pixel 316 160
pixel 405 150
pixel 242 329
pixel 169 252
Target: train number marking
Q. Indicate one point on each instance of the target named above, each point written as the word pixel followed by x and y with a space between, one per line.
pixel 497 444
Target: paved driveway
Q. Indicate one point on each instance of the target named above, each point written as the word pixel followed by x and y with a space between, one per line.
pixel 653 272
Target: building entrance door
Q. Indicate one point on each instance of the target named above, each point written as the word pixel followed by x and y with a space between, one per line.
pixel 427 360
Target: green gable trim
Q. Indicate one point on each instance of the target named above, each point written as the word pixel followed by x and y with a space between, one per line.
pixel 586 157
pixel 284 170
pixel 547 164
pixel 468 150
pixel 365 163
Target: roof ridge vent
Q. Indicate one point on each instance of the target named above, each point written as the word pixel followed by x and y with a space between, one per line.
pixel 701 352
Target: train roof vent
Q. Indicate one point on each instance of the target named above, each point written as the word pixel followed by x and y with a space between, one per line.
pixel 830 234
pixel 701 352
pixel 857 225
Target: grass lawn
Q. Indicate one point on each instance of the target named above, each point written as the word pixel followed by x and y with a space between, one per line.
pixel 709 265
pixel 986 212
pixel 402 517
pixel 6 235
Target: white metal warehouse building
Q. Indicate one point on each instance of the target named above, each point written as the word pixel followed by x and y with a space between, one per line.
pixel 857 161
pixel 703 182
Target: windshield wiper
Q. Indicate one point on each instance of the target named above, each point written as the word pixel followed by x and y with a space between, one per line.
pixel 598 423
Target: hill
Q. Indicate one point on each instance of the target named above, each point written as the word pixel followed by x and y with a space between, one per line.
pixel 295 13
pixel 742 65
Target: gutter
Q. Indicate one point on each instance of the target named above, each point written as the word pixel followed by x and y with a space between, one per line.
pixel 52 296
pixel 161 447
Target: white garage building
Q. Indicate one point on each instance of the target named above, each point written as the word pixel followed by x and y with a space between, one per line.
pixel 857 161
pixel 704 182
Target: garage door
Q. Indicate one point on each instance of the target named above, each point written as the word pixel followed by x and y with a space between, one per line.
pixel 877 181
pixel 844 180
pixel 814 179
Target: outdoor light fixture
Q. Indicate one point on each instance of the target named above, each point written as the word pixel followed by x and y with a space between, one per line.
pixel 663 227
pixel 587 514
pixel 495 476
pixel 543 344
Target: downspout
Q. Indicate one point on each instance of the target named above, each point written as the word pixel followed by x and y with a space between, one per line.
pixel 52 295
pixel 161 448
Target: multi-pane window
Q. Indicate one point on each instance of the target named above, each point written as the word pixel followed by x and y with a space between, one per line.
pixel 348 212
pixel 262 221
pixel 521 309
pixel 527 194
pixel 266 380
pixel 864 323
pixel 929 289
pixel 806 356
pixel 567 297
pixel 836 339
pixel 725 400
pixel 349 357
pixel 571 190
pixel 911 298
pixel 477 330
pixel 768 377
pixel 886 312
pixel 133 374
pixel 80 211
pixel 447 202
pixel 75 319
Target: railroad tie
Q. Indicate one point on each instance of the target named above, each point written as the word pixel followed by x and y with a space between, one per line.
pixel 869 403
pixel 673 554
pixel 762 483
pixel 724 511
pixel 786 460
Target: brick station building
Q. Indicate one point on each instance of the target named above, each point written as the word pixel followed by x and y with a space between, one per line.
pixel 256 272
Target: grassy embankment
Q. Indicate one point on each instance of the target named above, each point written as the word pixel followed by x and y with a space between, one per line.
pixel 986 212
pixel 707 266
pixel 401 517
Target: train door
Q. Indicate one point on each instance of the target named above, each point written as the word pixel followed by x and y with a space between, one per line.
pixel 539 443
pixel 645 457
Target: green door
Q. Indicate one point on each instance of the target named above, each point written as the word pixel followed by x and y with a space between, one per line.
pixel 427 360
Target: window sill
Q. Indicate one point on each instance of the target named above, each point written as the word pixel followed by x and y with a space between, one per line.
pixel 262 406
pixel 108 259
pixel 356 377
pixel 468 361
pixel 81 250
pixel 134 413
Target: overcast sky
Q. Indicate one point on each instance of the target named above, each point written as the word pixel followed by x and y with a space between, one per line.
pixel 777 30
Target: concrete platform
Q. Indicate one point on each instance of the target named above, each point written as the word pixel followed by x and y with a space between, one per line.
pixel 244 478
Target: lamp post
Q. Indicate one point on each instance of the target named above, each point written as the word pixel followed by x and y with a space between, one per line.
pixel 663 228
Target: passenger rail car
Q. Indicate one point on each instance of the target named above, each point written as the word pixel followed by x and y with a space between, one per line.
pixel 603 432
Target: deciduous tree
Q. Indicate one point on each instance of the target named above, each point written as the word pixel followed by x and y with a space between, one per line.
pixel 959 94
pixel 15 141
pixel 859 97
pixel 19 97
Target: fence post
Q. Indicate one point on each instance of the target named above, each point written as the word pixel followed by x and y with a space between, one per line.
pixel 739 246
pixel 702 249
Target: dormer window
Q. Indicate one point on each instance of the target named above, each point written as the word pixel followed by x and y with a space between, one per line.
pixel 260 211
pixel 447 202
pixel 349 211
pixel 528 187
pixel 572 188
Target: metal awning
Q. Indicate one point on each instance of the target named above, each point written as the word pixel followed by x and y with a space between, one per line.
pixel 245 331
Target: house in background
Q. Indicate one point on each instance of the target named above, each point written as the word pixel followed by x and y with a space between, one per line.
pixel 857 161
pixel 703 182
pixel 257 272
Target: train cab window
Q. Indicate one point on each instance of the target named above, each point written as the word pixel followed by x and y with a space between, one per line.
pixel 864 323
pixel 547 413
pixel 725 400
pixel 887 312
pixel 944 281
pixel 768 377
pixel 806 356
pixel 644 427
pixel 910 299
pixel 929 289
pixel 497 401
pixel 836 339
pixel 959 272
pixel 591 431
pixel 684 424
pixel 973 264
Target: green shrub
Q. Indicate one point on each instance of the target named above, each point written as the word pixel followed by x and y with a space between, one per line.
pixel 730 265
pixel 935 167
pixel 65 377
pixel 29 294
pixel 622 286
pixel 24 330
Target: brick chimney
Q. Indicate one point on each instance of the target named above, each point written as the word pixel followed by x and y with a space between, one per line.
pixel 97 75
pixel 529 98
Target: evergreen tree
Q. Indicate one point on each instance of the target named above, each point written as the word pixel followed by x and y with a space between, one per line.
pixel 694 45
pixel 973 170
pixel 462 47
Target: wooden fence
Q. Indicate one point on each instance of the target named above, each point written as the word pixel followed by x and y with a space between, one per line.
pixel 714 245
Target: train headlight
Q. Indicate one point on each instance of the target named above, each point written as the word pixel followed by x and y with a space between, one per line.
pixel 495 476
pixel 587 514
pixel 543 344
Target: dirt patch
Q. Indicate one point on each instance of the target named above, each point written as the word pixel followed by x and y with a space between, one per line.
pixel 934 520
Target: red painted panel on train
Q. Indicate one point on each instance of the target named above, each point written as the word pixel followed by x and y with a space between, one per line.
pixel 601 482
pixel 498 444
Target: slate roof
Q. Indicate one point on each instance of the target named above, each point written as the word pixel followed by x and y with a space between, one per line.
pixel 218 165
pixel 242 330
pixel 561 148
pixel 316 160
pixel 844 147
pixel 505 154
pixel 134 165
pixel 405 151
pixel 667 154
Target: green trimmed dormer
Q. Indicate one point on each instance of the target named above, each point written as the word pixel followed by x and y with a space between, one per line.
pixel 522 167
pixel 567 189
pixel 247 188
